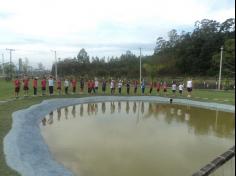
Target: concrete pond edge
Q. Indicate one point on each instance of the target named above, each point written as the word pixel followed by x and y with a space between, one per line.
pixel 25 150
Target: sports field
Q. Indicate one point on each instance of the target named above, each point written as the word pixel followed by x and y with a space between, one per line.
pixel 7 108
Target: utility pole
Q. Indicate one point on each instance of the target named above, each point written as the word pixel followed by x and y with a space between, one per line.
pixel 221 58
pixel 55 53
pixel 10 51
pixel 140 65
pixel 3 73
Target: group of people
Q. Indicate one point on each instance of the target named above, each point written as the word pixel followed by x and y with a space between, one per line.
pixel 49 82
pixel 93 86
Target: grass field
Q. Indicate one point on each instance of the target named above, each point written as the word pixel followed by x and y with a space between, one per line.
pixel 6 109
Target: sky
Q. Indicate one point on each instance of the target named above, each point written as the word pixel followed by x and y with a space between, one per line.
pixel 103 27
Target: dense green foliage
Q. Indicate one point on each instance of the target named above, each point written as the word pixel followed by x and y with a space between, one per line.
pixel 195 53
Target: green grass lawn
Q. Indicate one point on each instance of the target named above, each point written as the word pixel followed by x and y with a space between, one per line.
pixel 6 109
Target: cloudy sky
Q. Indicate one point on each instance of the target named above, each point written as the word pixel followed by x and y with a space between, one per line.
pixel 102 27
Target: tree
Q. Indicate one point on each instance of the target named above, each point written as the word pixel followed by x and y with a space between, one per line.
pixel 40 66
pixel 83 57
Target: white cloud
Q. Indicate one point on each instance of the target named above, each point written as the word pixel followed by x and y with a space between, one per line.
pixel 68 25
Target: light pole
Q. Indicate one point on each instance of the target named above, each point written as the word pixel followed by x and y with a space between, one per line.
pixel 221 58
pixel 55 53
pixel 3 73
pixel 10 51
pixel 140 64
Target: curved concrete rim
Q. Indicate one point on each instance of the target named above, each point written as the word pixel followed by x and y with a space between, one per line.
pixel 24 147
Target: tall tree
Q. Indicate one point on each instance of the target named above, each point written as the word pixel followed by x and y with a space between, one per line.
pixel 83 57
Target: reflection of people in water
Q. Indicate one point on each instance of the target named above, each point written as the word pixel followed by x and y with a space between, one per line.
pixel 58 114
pixel 119 106
pixel 127 107
pixel 112 107
pixel 73 112
pixel 50 120
pixel 81 110
pixel 134 107
pixel 96 108
pixel 142 107
pixel 44 121
pixel 88 109
pixel 150 108
pixel 66 113
pixel 103 107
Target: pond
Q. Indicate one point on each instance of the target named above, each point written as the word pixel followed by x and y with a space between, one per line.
pixel 137 138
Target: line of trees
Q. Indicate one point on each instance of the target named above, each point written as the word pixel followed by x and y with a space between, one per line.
pixel 195 53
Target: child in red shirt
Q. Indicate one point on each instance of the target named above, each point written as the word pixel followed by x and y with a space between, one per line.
pixel 165 88
pixel 89 87
pixel 43 85
pixel 35 86
pixel 59 86
pixel 158 87
pixel 74 82
pixel 17 87
pixel 26 86
pixel 93 86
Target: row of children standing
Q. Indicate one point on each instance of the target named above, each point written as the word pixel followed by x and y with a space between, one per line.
pixel 51 84
pixel 93 86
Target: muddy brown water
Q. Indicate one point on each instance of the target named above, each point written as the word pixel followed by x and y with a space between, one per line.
pixel 137 138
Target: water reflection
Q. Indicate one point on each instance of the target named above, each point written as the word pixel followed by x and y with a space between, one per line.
pixel 200 121
pixel 59 114
pixel 146 134
pixel 81 110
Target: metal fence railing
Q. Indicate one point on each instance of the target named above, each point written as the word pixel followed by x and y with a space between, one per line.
pixel 223 165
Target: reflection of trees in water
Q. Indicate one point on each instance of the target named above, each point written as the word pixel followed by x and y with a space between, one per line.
pixel 206 121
